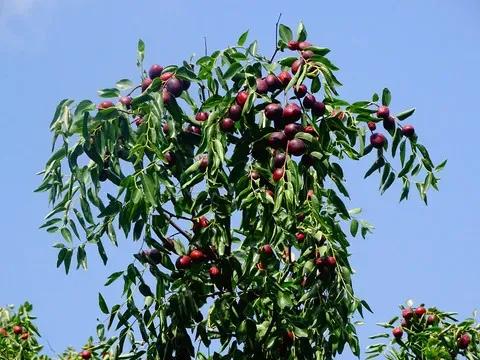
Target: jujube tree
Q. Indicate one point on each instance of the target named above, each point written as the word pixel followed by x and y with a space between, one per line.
pixel 226 169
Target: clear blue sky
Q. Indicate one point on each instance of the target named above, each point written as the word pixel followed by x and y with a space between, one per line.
pixel 425 51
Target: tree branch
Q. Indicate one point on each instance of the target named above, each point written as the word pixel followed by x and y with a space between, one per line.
pixel 174 224
pixel 276 39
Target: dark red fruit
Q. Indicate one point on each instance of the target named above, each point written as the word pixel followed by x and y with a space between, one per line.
pixel 273 111
pixel 167 97
pixel 166 76
pixel 300 91
pixel 126 101
pixel 267 249
pixel 241 98
pixel 3 332
pixel 203 163
pixel 389 123
pixel 279 160
pixel 310 194
pixel 138 121
pixel 296 65
pixel 405 324
pixel 154 255
pixel 262 86
pixel 24 336
pixel 201 116
pixel 303 45
pixel 291 113
pixel 309 129
pixel 291 129
pixel 407 313
pixel 383 112
pixel 331 261
pixel 165 128
pixel 397 333
pixel 318 108
pixel 184 262
pixel 185 84
pixel 17 329
pixel 170 158
pixel 300 236
pixel 463 341
pixel 308 101
pixel 300 217
pixel 320 261
pixel 235 112
pixel 284 78
pixel 372 126
pixel 260 266
pixel 174 87
pixel 307 54
pixel 307 160
pixel 408 131
pixel 194 129
pixel 146 83
pixel 288 338
pixel 270 193
pixel 197 255
pixel 273 82
pixel 227 124
pixel 277 174
pixel 254 175
pixel 214 272
pixel 86 355
pixel 377 140
pixel 202 222
pixel 431 319
pixel 420 311
pixel 277 140
pixel 155 71
pixel 293 45
pixel 296 147
pixel 105 105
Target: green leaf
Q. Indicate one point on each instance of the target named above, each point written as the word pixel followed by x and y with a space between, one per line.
pixel 140 52
pixel 284 300
pixel 441 165
pixel 301 32
pixel 407 167
pixel 405 114
pixel 386 97
pixel 376 165
pixel 61 256
pixel 241 40
pixel 109 93
pixel 285 33
pixel 102 304
pixel 354 227
pixel 232 70
pixel 113 277
pixel 389 182
pixel 67 235
pixel 124 84
pixel 316 84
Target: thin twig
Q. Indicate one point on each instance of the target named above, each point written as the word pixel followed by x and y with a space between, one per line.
pixel 276 39
pixel 135 88
pixel 175 215
pixel 175 225
pixel 205 45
